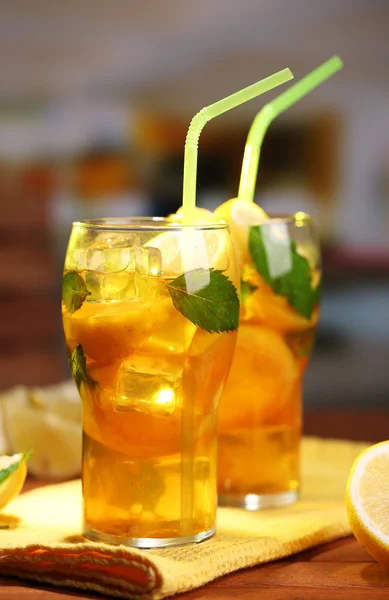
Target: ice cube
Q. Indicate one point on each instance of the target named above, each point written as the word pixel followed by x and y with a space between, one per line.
pixel 148 264
pixel 109 287
pixel 110 275
pixel 75 260
pixel 149 384
pixel 117 286
pixel 109 260
pixel 174 337
pixel 149 289
pixel 148 261
pixel 92 282
pixel 123 273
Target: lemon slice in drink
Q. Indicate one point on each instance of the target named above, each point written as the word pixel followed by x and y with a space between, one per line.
pixel 367 500
pixel 240 215
pixel 13 471
pixel 265 307
pixel 208 247
pixel 264 363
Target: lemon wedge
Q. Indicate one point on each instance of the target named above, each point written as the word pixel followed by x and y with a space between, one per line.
pixel 13 471
pixel 240 215
pixel 367 500
pixel 47 422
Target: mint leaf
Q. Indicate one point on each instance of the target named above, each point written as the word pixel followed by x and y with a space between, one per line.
pixel 207 298
pixel 295 285
pixel 74 291
pixel 246 289
pixel 7 472
pixel 77 362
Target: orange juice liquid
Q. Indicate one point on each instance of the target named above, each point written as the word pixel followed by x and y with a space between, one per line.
pixel 147 362
pixel 260 410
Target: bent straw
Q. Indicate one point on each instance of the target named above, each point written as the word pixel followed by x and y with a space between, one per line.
pixel 267 115
pixel 199 121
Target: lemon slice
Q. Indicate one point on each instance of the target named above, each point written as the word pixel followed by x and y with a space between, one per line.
pixel 13 471
pixel 264 363
pixel 109 332
pixel 367 499
pixel 275 312
pixel 207 247
pixel 49 425
pixel 240 215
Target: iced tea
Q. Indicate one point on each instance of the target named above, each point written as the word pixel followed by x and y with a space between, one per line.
pixel 150 372
pixel 261 408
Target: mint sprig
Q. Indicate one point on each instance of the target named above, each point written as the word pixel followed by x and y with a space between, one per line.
pixel 296 284
pixel 77 360
pixel 207 298
pixel 7 472
pixel 74 291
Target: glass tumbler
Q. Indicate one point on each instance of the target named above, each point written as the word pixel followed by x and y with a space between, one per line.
pixel 260 410
pixel 150 316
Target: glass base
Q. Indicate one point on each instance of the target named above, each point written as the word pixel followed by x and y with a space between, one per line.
pixel 107 538
pixel 259 501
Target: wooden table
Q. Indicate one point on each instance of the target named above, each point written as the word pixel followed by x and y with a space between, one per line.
pixel 339 570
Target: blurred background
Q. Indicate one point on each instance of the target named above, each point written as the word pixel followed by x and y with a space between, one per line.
pixel 95 101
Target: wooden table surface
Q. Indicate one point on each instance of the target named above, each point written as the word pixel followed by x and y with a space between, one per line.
pixel 341 569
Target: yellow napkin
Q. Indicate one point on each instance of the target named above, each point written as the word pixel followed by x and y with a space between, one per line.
pixel 44 542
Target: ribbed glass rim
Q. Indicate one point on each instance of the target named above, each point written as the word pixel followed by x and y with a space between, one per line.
pixel 145 224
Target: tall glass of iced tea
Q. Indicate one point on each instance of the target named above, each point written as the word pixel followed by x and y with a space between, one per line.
pixel 150 313
pixel 261 408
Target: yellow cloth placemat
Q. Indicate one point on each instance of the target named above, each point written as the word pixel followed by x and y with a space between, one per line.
pixel 43 542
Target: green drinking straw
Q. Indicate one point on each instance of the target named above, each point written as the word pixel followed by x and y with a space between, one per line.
pixel 189 202
pixel 266 116
pixel 202 117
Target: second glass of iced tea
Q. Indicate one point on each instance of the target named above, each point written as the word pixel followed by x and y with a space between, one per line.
pixel 261 408
pixel 150 312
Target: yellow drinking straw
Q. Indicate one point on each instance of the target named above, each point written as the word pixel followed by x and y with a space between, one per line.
pixel 189 202
pixel 268 113
pixel 202 117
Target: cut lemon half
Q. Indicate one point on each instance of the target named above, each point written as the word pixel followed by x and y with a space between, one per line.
pixel 240 215
pixel 13 471
pixel 194 248
pixel 367 499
